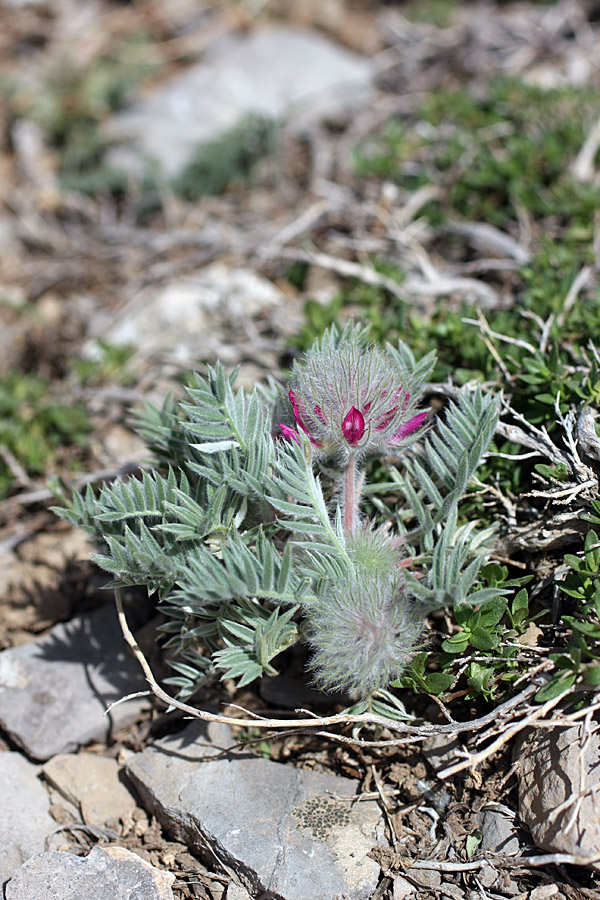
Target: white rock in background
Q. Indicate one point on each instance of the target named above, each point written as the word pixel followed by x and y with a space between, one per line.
pixel 106 873
pixel 559 800
pixel 24 818
pixel 273 72
pixel 194 318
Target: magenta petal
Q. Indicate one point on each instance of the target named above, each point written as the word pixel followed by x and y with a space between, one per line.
pixel 408 427
pixel 288 433
pixel 298 419
pixel 353 426
pixel 320 414
pixel 385 421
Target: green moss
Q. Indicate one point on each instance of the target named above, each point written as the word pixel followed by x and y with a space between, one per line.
pixel 35 428
pixel 228 161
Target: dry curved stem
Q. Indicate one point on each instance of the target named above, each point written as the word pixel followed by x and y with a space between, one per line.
pixel 415 731
pixel 516 862
pixel 253 720
pixel 506 735
pixel 553 859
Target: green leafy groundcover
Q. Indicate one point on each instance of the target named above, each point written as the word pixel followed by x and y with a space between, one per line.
pixel 34 428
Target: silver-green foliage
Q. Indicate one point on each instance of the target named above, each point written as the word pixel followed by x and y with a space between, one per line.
pixel 243 537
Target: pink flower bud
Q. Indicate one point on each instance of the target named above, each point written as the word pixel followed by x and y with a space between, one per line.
pixel 300 421
pixel 353 426
pixel 288 433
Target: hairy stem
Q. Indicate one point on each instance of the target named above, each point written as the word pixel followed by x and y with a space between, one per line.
pixel 351 494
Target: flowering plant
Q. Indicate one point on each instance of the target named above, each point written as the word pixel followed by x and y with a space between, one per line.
pixel 251 531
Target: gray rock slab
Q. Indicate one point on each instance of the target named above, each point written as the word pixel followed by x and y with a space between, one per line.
pixel 497 826
pixel 272 72
pixel 288 833
pixel 92 783
pixel 106 873
pixel 24 818
pixel 54 691
pixel 559 800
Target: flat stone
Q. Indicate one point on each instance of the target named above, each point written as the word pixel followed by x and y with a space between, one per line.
pixel 93 784
pixel 54 691
pixel 256 73
pixel 488 875
pixel 544 892
pixel 451 889
pixel 555 766
pixel 427 878
pixel 106 873
pixel 498 832
pixel 235 892
pixel 403 888
pixel 24 818
pixel 288 833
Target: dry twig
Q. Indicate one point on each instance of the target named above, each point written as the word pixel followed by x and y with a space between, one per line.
pixel 414 732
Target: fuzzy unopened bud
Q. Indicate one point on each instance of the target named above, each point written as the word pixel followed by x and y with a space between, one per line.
pixel 349 396
pixel 363 634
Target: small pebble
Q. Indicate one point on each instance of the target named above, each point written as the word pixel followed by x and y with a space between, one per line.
pixel 544 892
pixel 427 878
pixel 402 888
pixel 487 876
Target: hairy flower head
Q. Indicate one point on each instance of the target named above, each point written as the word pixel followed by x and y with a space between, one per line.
pixel 349 396
pixel 363 634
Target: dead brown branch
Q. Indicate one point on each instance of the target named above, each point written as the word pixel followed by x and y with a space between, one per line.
pixel 414 732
